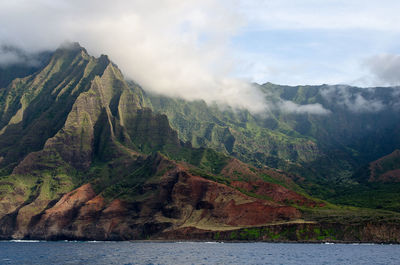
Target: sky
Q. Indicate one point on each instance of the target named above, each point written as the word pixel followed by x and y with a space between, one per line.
pixel 315 42
pixel 215 49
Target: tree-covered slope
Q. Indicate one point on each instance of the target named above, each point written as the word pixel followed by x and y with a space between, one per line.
pixel 325 150
pixel 84 157
pixel 253 138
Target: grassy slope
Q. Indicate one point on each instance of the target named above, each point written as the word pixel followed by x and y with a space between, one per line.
pixel 235 132
pixel 326 151
pixel 92 104
pixel 127 136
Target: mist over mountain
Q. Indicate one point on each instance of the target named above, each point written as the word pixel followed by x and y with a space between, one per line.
pixel 86 154
pixel 213 50
pixel 174 48
pixel 15 62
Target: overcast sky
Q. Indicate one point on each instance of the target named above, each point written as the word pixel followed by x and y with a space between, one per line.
pixel 312 42
pixel 211 49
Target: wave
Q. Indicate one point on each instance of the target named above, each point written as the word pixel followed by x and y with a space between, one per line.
pixel 25 241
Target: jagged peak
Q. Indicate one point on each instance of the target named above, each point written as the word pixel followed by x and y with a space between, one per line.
pixel 76 47
pixel 73 49
pixel 72 46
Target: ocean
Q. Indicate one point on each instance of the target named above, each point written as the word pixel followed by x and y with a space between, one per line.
pixel 71 252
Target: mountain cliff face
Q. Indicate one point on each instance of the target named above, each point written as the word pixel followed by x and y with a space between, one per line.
pixel 86 155
pixel 83 157
pixel 261 139
pixel 385 169
pixel 324 152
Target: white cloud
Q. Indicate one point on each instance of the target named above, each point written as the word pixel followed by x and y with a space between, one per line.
pixel 183 48
pixel 173 47
pixel 385 68
pixel 12 56
pixel 352 100
pixel 291 107
pixel 329 39
pixel 7 57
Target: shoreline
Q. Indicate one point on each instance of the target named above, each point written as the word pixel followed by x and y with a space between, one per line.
pixel 202 241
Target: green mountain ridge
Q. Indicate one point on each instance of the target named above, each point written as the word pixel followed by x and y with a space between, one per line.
pixel 78 144
pixel 84 154
pixel 321 149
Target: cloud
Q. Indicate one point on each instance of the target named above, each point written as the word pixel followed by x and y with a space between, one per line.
pixel 291 107
pixel 276 103
pixel 171 47
pixel 385 68
pixel 177 48
pixel 14 56
pixel 327 39
pixel 353 99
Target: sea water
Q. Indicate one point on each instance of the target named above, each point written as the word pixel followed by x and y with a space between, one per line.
pixel 37 252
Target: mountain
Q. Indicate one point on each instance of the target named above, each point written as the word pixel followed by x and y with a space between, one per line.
pixel 23 64
pixel 324 152
pixel 85 154
pixel 385 169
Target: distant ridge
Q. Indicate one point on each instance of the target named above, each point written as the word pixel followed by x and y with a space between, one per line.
pixel 84 154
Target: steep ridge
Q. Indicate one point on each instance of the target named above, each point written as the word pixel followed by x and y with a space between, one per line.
pixel 261 139
pixel 84 158
pixel 26 64
pixel 378 185
pixel 34 108
pixel 323 152
pixel 386 169
pixel 176 199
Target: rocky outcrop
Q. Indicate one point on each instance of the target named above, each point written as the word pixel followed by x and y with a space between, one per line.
pixel 255 181
pixel 177 199
pixel 82 157
pixel 222 205
pixel 385 169
pixel 276 193
pixel 33 109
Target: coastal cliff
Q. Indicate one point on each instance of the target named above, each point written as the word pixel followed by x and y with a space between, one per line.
pixel 85 155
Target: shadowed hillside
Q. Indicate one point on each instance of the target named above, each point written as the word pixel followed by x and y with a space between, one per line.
pixel 85 155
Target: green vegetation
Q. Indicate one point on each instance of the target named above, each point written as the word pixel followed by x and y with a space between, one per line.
pixel 204 174
pixel 348 214
pixel 76 121
pixel 323 152
pixel 372 195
